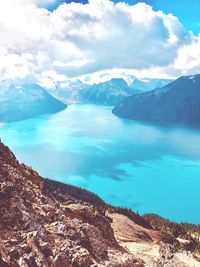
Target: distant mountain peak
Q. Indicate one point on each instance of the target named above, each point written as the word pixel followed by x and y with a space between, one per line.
pixel 148 84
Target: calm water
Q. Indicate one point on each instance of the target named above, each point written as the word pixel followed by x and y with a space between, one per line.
pixel 146 168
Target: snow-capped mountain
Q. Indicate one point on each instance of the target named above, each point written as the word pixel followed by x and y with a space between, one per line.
pixel 19 102
pixel 110 92
pixel 148 84
pixel 176 103
pixel 71 91
pixel 107 93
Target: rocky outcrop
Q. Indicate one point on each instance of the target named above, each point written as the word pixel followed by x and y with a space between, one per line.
pixel 44 226
pixel 167 257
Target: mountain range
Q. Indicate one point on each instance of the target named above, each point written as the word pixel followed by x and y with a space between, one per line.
pixel 175 103
pixel 105 93
pixel 18 102
pixel 23 101
pixel 178 103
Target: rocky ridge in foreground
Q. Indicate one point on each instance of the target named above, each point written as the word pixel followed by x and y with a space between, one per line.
pixel 44 223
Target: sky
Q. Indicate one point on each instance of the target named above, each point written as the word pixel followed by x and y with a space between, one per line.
pixel 186 10
pixel 47 41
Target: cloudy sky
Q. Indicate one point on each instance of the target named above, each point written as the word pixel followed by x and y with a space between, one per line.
pixel 51 40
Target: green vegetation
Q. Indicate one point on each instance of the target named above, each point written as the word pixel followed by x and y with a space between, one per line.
pixel 76 192
pixel 173 233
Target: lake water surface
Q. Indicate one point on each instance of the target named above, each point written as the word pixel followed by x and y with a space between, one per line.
pixel 147 168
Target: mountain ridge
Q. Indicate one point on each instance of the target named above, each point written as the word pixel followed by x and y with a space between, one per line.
pixel 178 103
pixel 19 102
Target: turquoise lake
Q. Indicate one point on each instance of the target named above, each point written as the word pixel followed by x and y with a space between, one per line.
pixel 147 168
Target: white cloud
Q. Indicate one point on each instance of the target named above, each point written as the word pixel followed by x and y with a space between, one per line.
pixel 188 60
pixel 78 39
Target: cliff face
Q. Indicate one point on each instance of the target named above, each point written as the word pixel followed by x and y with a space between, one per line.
pixel 44 223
